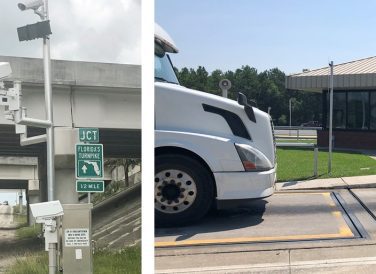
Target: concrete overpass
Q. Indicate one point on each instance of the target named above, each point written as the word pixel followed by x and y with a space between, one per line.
pixel 85 94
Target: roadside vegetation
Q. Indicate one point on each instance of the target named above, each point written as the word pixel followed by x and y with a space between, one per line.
pixel 126 261
pixel 29 232
pixel 18 218
pixel 297 164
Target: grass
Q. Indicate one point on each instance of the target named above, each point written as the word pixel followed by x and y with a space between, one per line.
pixel 28 232
pixel 32 264
pixel 20 219
pixel 297 164
pixel 126 261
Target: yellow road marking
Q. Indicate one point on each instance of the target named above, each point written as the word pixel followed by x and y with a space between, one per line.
pixel 344 232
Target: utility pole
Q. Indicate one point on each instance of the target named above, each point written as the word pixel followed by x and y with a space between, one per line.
pixel 290 115
pixel 42 30
pixel 330 118
pixel 49 110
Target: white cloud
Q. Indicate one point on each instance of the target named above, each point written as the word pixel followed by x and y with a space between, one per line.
pixel 100 30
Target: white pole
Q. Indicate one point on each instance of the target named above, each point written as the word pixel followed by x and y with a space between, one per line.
pixel 290 115
pixel 330 118
pixel 52 249
pixel 49 111
pixel 224 93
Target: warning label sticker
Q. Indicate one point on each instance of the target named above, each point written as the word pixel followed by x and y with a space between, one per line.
pixel 76 237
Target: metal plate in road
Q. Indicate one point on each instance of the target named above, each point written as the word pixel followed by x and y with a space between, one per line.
pixel 89 161
pixel 281 217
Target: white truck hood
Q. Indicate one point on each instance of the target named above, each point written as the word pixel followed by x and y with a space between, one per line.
pixel 181 109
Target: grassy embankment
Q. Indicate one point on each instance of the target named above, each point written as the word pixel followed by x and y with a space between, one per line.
pixel 127 261
pixel 297 164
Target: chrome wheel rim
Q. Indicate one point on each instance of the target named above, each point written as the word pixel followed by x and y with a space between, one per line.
pixel 175 191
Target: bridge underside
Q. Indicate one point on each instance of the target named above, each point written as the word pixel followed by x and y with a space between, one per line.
pixel 117 143
pixel 13 184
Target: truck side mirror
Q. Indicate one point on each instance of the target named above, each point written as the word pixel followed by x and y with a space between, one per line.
pixel 242 100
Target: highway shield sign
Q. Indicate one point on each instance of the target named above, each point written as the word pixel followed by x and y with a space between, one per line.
pixel 89 161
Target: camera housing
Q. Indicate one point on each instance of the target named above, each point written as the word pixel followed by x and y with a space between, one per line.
pixel 31 4
pixel 46 210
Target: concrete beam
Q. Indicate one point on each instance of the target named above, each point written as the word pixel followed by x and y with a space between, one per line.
pixel 18 172
pixel 77 73
pixel 22 161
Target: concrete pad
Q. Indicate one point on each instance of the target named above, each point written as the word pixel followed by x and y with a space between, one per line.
pixel 322 255
pixel 360 181
pixel 367 196
pixel 329 183
pixel 221 262
pixel 298 216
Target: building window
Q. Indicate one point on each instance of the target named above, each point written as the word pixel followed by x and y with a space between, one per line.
pixel 372 110
pixel 339 110
pixel 358 110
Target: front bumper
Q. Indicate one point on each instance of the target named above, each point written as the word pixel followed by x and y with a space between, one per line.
pixel 245 185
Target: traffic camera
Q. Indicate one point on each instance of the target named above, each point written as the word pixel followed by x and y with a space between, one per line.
pixel 31 4
pixel 46 210
pixel 46 213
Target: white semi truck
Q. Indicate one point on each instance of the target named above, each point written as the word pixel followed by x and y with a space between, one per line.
pixel 207 148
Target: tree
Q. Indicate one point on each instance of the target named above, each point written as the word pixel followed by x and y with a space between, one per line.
pixel 267 88
pixel 126 163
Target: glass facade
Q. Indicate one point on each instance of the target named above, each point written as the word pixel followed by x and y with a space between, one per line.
pixel 352 110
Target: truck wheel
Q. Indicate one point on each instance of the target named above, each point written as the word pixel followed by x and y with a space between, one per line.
pixel 183 192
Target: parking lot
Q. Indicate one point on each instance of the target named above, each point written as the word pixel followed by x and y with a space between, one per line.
pixel 269 232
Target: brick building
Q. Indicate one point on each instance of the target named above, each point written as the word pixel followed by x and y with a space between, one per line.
pixel 354 101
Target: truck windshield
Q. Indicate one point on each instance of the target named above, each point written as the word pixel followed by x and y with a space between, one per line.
pixel 163 70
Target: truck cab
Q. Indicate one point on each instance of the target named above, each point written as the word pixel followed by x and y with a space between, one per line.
pixel 207 148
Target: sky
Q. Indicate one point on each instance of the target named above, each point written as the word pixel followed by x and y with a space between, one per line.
pixel 82 30
pixel 290 34
pixel 10 195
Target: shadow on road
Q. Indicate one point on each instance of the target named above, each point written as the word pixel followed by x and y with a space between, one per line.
pixel 249 214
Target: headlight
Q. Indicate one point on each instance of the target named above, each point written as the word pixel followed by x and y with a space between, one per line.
pixel 252 159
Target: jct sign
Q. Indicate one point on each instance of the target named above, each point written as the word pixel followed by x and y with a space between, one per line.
pixel 89 161
pixel 88 135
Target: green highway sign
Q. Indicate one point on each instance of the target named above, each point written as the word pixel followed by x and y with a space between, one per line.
pixel 89 161
pixel 90 186
pixel 88 135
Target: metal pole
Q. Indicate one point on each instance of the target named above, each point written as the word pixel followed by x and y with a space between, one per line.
pixel 224 93
pixel 290 115
pixel 330 118
pixel 52 258
pixel 89 198
pixel 52 249
pixel 316 152
pixel 49 114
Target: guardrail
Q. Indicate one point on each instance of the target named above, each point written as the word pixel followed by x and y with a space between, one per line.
pixel 294 132
pixel 297 128
pixel 304 145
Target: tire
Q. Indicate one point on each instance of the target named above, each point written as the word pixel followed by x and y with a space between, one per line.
pixel 183 190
